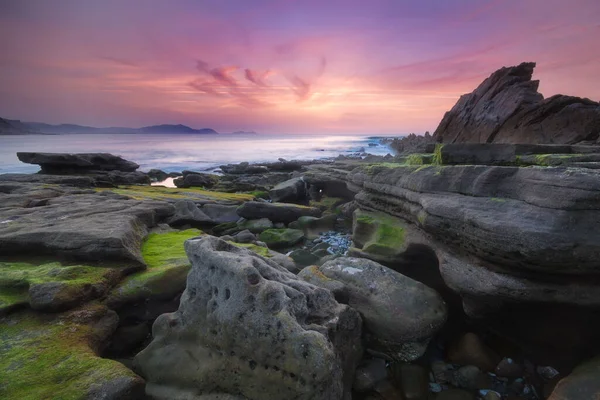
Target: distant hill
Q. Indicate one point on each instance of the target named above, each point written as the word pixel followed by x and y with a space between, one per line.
pixel 244 133
pixel 176 129
pixel 10 127
pixel 14 127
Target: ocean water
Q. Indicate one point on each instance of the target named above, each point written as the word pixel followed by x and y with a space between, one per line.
pixel 173 153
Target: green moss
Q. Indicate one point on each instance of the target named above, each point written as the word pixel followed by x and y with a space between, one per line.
pixel 497 200
pixel 164 193
pixel 168 266
pixel 259 194
pixel 281 237
pixel 380 234
pixel 422 217
pixel 328 204
pixel 373 169
pixel 17 277
pixel 437 154
pixel 261 251
pixel 414 159
pixel 49 356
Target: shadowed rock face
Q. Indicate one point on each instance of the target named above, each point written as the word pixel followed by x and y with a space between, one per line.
pixel 248 327
pixel 62 162
pixel 507 108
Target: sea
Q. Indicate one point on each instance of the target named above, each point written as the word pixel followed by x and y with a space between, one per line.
pixel 178 152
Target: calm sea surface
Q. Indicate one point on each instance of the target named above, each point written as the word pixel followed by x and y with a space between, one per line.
pixel 178 152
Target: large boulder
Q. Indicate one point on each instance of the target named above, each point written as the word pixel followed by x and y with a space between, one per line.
pixel 221 213
pixel 276 212
pixel 291 191
pixel 56 163
pixel 400 314
pixel 248 327
pixel 278 238
pixel 507 108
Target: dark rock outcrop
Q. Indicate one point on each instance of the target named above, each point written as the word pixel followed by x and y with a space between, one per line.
pixel 59 163
pixel 248 327
pixel 196 179
pixel 291 191
pixel 507 108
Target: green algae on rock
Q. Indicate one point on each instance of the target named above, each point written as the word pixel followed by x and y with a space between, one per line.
pixel 167 270
pixel 378 234
pixel 164 193
pixel 55 356
pixel 52 286
pixel 281 237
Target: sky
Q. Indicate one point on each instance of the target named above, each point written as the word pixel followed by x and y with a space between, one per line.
pixel 282 66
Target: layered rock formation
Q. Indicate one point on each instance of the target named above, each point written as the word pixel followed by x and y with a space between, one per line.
pixel 519 244
pixel 248 327
pixel 507 108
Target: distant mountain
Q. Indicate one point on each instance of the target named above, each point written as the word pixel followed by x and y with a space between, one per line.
pixel 11 127
pixel 14 127
pixel 176 129
pixel 244 133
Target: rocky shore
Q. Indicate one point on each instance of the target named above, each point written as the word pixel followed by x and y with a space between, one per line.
pixel 459 271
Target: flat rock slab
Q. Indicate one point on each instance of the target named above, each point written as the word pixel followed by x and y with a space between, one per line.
pixel 53 162
pixel 276 212
pixel 92 227
pixel 248 327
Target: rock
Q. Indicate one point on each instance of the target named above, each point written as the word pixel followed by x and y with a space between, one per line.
pixel 57 163
pixel 380 237
pixel 221 214
pixel 547 372
pixel 278 238
pixel 243 168
pixel 313 226
pixel 291 191
pixel 442 372
pixel 507 108
pixel 313 275
pixel 347 209
pixel 413 379
pixel 455 394
pixel 196 179
pixel 227 228
pixel 188 213
pixel 76 181
pixel 400 314
pixel 470 377
pixel 92 227
pixel 249 327
pixel 157 175
pixel 256 225
pixel 368 374
pixel 508 368
pixel 245 236
pixel 491 395
pixel 56 356
pixel 276 212
pixel 303 257
pixel 470 350
pixel 582 383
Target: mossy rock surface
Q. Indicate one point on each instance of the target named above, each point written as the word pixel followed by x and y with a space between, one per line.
pixel 278 238
pixel 378 233
pixel 167 271
pixel 256 225
pixel 261 251
pixel 328 204
pixel 52 286
pixel 164 193
pixel 54 356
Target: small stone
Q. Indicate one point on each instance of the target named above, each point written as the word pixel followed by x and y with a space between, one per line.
pixel 547 372
pixel 369 374
pixel 435 387
pixel 441 371
pixel 507 368
pixel 470 377
pixel 245 236
pixel 490 395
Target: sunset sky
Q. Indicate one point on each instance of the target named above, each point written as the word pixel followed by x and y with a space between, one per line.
pixel 328 66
